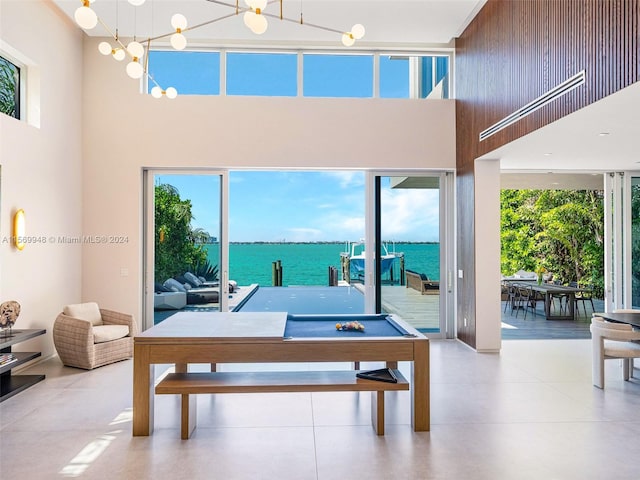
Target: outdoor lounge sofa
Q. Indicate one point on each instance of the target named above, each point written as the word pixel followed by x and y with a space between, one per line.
pixel 201 282
pixel 195 296
pixel 422 283
pixel 163 300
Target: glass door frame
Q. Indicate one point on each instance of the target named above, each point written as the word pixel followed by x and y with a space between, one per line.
pixel 148 235
pixel 447 236
pixel 618 283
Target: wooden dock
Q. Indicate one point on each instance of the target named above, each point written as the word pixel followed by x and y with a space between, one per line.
pixel 420 311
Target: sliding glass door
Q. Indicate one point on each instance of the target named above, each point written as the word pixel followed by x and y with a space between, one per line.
pixel 413 260
pixel 622 240
pixel 185 230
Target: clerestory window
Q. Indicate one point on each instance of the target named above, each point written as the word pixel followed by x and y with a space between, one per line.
pixel 308 74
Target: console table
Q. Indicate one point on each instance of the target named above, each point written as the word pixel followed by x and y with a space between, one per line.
pixel 12 384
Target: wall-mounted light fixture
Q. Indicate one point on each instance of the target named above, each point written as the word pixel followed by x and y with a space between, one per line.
pixel 19 229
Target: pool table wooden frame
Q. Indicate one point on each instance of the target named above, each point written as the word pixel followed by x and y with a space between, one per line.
pixel 258 338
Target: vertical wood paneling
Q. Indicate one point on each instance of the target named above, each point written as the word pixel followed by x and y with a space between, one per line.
pixel 511 53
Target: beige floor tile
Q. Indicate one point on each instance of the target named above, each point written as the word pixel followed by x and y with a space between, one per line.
pixel 527 413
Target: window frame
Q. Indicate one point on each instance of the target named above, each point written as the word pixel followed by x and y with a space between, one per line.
pixel 414 73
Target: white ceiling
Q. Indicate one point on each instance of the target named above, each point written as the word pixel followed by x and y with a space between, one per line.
pixel 572 144
pixel 401 23
pixel 603 136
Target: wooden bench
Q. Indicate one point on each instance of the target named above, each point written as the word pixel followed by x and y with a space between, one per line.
pixel 186 384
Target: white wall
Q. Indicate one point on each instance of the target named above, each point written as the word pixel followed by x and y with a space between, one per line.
pixel 487 245
pixel 41 170
pixel 125 131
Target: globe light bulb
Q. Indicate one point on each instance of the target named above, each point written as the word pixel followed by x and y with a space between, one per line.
pixel 248 19
pixel 171 93
pixel 156 92
pixel 178 21
pixel 256 23
pixel 357 31
pixel 135 49
pixel 85 18
pixel 260 25
pixel 134 69
pixel 348 40
pixel 136 3
pixel 105 48
pixel 119 54
pixel 178 41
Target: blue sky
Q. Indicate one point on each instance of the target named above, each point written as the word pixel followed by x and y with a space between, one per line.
pixel 300 206
pixel 276 74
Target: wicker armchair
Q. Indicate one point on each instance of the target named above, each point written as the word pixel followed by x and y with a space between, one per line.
pixel 86 336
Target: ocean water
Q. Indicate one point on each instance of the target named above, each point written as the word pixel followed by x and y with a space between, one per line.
pixel 308 263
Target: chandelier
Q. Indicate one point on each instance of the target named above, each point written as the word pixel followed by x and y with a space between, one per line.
pixel 254 17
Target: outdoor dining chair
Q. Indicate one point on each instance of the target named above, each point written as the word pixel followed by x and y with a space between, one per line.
pixel 585 296
pixel 512 298
pixel 527 300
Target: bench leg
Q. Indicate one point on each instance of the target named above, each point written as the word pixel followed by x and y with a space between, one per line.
pixel 626 369
pixel 188 415
pixel 377 412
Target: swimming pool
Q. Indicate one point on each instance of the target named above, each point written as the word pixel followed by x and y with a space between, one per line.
pixel 298 300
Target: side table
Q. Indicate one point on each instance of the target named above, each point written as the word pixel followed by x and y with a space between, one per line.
pixel 12 384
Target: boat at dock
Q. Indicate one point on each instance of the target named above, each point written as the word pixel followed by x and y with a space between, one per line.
pixel 353 259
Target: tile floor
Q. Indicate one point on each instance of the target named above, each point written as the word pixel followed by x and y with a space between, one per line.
pixel 529 412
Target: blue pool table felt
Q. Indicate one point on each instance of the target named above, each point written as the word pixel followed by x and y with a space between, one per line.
pixel 324 326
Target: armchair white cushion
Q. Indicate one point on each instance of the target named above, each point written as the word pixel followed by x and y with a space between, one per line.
pixel 86 336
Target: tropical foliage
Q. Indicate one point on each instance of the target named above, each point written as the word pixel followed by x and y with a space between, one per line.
pixel 559 231
pixel 8 84
pixel 635 244
pixel 178 247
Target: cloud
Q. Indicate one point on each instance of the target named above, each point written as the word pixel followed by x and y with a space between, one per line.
pixel 347 178
pixel 412 214
pixel 304 234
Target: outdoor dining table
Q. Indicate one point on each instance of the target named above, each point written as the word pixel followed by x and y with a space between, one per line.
pixel 549 291
pixel 629 318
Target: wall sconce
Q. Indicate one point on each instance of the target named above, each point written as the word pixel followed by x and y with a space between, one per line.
pixel 19 229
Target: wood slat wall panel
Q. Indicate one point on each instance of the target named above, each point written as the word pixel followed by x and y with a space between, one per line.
pixel 513 52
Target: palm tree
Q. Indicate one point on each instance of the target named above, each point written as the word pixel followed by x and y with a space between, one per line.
pixel 9 79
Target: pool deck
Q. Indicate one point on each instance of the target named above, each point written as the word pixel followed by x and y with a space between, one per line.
pixel 235 299
pixel 240 295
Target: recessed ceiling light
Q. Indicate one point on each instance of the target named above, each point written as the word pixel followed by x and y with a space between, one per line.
pixel 603 134
pixel 548 154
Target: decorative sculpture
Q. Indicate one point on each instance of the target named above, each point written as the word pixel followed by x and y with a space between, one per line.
pixel 9 313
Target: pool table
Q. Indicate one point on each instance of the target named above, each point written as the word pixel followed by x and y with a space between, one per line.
pixel 263 337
